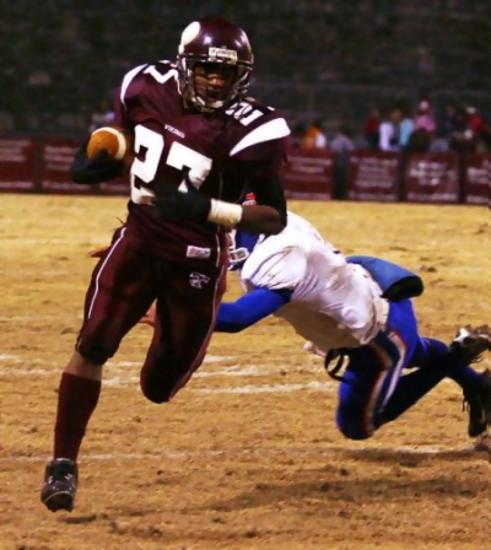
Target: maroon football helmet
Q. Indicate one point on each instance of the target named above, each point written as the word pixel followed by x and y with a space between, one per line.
pixel 214 42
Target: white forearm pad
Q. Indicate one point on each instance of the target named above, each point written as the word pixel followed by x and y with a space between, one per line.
pixel 225 213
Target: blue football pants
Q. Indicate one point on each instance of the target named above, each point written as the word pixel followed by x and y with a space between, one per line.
pixel 374 391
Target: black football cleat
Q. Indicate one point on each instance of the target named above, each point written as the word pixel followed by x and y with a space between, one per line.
pixel 478 403
pixel 469 343
pixel 60 484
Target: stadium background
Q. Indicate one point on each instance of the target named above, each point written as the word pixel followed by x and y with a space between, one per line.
pixel 247 455
pixel 327 59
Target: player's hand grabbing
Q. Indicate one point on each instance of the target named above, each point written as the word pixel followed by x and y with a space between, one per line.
pixel 190 205
pixel 99 168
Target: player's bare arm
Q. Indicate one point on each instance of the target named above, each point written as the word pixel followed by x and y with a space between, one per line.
pixel 194 206
pixel 261 219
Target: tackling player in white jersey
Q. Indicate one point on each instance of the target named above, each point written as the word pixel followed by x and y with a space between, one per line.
pixel 357 308
pixel 330 302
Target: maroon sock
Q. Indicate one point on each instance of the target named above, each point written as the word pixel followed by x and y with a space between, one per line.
pixel 77 399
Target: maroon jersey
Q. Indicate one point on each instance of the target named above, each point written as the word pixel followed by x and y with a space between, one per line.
pixel 218 153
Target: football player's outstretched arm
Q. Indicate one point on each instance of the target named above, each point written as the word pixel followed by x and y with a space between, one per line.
pixel 250 308
pixel 269 215
pixel 264 164
pixel 244 312
pixel 268 218
pixel 261 218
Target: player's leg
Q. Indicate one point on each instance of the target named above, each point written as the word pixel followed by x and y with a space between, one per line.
pixel 374 372
pixel 435 354
pixel 78 394
pixel 185 317
pixel 466 348
pixel 437 361
pixel 121 290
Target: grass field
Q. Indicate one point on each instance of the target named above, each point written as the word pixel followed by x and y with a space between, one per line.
pixel 247 454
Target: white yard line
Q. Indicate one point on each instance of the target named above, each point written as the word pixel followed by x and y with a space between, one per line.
pixel 26 318
pixel 131 380
pixel 271 388
pixel 118 373
pixel 271 452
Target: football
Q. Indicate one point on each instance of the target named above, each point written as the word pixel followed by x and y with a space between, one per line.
pixel 114 140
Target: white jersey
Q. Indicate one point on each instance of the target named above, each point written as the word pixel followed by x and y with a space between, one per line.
pixel 334 304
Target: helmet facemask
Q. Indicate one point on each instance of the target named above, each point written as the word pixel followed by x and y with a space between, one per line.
pixel 213 45
pixel 208 100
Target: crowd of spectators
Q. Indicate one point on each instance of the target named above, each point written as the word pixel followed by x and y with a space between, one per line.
pixel 460 128
pixel 321 60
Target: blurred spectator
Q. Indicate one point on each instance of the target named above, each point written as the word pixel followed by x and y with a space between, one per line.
pixel 104 116
pixel 341 146
pixel 448 121
pixel 474 120
pixel 461 136
pixel 486 139
pixel 424 119
pixel 406 128
pixel 445 128
pixel 371 129
pixel 424 128
pixel 298 131
pixel 314 137
pixel 342 143
pixel 389 131
pixel 476 124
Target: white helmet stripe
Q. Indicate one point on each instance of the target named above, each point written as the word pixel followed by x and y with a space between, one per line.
pixel 268 131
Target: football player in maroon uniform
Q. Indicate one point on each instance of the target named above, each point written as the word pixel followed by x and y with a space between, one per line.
pixel 198 141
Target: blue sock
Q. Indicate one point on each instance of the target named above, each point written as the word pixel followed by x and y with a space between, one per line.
pixel 427 352
pixel 430 353
pixel 465 376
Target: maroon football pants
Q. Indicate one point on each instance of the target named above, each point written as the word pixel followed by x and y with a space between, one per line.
pixel 125 282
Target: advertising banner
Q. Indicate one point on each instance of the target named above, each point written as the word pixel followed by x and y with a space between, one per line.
pixel 43 165
pixel 118 186
pixel 308 175
pixel 56 156
pixel 17 165
pixel 432 177
pixel 478 179
pixel 373 176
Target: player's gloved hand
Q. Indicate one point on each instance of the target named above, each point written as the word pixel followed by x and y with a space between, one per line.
pixel 99 168
pixel 175 205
